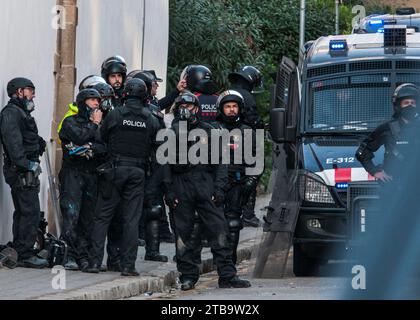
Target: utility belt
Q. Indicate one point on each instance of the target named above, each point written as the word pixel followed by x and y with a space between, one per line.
pixel 28 179
pixel 119 161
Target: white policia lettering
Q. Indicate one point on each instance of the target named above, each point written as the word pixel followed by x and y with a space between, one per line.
pixel 132 123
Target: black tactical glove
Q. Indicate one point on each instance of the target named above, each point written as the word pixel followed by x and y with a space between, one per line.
pixel 171 200
pixel 218 198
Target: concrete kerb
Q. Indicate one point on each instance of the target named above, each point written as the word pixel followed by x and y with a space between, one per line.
pixel 158 281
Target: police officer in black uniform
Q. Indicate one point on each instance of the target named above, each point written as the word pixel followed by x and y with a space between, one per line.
pixel 230 106
pixel 83 151
pixel 22 149
pixel 166 102
pixel 115 230
pixel 152 215
pixel 130 135
pixel 399 136
pixel 198 187
pixel 200 82
pixel 114 71
pixel 245 81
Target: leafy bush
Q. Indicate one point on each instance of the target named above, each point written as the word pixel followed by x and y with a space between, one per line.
pixel 227 34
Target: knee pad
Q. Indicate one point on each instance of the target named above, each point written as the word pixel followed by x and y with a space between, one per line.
pixel 234 224
pixel 153 213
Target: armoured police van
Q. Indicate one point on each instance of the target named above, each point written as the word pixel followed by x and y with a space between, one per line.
pixel 321 110
pixel 376 22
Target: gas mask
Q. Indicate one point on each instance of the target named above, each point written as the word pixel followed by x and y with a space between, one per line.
pixel 186 115
pixel 106 105
pixel 29 104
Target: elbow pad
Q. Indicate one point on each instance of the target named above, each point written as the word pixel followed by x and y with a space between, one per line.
pixel 363 153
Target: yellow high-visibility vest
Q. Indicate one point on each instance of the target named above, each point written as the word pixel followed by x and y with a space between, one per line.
pixel 71 112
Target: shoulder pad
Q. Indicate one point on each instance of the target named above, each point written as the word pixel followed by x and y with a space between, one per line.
pixel 395 127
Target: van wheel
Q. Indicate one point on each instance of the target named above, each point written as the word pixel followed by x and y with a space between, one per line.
pixel 304 266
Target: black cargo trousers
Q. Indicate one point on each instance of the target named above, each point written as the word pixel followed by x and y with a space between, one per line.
pixel 233 212
pixel 194 191
pixel 121 194
pixel 27 215
pixel 78 196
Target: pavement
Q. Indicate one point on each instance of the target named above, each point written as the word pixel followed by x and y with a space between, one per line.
pixel 287 288
pixel 155 277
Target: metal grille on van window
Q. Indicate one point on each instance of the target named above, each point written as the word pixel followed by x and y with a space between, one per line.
pixel 408 64
pixel 320 71
pixel 370 65
pixel 336 142
pixel 408 77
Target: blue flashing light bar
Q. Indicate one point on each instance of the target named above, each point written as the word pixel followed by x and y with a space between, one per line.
pixel 338 45
pixel 342 185
pixel 376 22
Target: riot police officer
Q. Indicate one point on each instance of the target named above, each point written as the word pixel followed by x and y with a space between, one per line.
pixel 114 71
pixel 22 149
pixel 166 102
pixel 150 225
pixel 130 134
pixel 245 81
pixel 105 90
pixel 199 80
pixel 399 136
pixel 82 153
pixel 230 106
pixel 198 188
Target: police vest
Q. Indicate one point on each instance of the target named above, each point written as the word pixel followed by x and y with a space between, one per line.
pixel 30 137
pixel 208 112
pixel 405 140
pixel 131 137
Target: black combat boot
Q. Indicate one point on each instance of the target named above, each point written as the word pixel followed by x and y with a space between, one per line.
pixel 33 262
pixel 153 242
pixel 93 268
pixel 71 264
pixel 234 282
pixel 187 284
pixel 129 272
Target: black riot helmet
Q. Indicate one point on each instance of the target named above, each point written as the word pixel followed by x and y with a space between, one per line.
pixel 249 75
pixel 135 88
pixel 184 114
pixel 107 94
pixel 404 91
pixel 82 96
pixel 229 96
pixel 153 73
pixel 104 89
pixel 115 64
pixel 146 76
pixel 90 81
pixel 18 83
pixel 199 79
